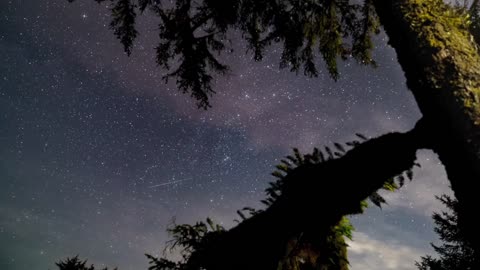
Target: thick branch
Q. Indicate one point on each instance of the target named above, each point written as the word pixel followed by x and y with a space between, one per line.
pixel 315 199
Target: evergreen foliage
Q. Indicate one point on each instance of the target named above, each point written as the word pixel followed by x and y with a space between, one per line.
pixel 188 239
pixel 75 263
pixel 318 156
pixel 193 33
pixel 455 253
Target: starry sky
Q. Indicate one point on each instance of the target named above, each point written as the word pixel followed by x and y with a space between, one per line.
pixel 98 155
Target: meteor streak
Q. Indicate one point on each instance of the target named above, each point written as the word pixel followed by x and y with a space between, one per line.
pixel 169 183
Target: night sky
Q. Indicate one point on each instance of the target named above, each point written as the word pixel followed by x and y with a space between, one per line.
pixel 98 155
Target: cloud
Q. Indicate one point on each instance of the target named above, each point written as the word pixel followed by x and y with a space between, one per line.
pixel 419 194
pixel 367 253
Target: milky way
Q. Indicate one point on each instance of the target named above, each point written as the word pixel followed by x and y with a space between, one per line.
pixel 98 155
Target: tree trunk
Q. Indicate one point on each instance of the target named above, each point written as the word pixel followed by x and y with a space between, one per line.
pixel 442 67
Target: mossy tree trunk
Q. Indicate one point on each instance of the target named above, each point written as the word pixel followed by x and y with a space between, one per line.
pixel 442 67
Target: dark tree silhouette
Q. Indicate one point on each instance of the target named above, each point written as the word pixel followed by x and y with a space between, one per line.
pixel 455 253
pixel 432 39
pixel 75 263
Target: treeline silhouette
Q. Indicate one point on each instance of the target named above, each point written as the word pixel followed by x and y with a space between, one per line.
pixel 75 263
pixel 455 252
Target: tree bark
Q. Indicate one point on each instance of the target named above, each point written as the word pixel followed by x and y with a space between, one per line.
pixel 442 67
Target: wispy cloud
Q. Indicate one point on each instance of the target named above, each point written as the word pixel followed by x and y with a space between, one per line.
pixel 367 253
pixel 419 194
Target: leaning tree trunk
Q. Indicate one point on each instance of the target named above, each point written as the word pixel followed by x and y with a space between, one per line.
pixel 315 198
pixel 442 67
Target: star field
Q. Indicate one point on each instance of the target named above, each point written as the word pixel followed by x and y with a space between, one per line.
pixel 98 155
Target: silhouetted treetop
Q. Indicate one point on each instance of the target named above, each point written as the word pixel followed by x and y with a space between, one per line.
pixel 75 263
pixel 455 253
